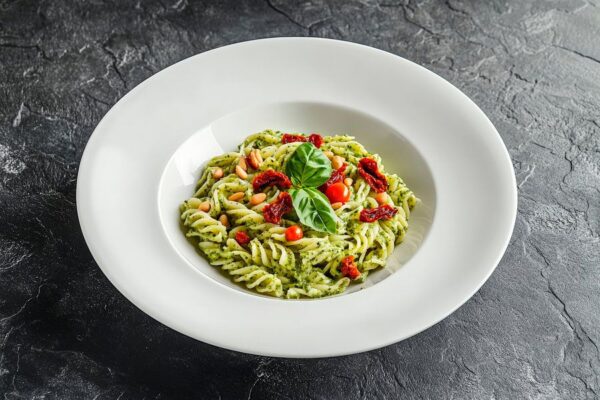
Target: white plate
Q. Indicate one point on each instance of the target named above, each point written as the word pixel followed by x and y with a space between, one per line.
pixel 145 156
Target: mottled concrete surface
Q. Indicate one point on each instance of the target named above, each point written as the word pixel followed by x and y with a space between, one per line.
pixel 532 331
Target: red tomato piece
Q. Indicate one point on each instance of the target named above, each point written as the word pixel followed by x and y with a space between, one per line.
pixel 316 139
pixel 349 268
pixel 270 178
pixel 274 211
pixel 368 169
pixel 338 193
pixel 242 237
pixel 293 233
pixel 288 138
pixel 383 212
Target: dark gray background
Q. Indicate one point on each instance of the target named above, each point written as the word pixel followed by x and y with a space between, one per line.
pixel 532 331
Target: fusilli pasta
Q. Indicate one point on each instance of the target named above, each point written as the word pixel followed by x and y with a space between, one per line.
pixel 268 263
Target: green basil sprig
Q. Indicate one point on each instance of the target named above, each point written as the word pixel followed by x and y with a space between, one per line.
pixel 308 168
pixel 313 209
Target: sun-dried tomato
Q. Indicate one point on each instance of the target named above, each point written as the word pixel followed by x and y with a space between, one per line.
pixel 368 169
pixel 383 212
pixel 336 176
pixel 316 139
pixel 270 178
pixel 275 210
pixel 288 138
pixel 242 237
pixel 349 268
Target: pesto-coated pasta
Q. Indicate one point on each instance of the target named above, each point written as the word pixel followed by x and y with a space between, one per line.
pixel 228 222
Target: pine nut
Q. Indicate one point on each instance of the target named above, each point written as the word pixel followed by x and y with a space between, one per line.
pixel 240 172
pixel 258 198
pixel 236 196
pixel 381 198
pixel 217 173
pixel 242 163
pixel 252 160
pixel 255 159
pixel 328 154
pixel 337 162
pixel 224 220
pixel 348 182
pixel 337 205
pixel 204 206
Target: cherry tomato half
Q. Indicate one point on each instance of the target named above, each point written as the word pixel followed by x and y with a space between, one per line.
pixel 242 237
pixel 338 193
pixel 294 232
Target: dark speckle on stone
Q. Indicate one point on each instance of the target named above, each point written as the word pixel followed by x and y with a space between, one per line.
pixel 532 331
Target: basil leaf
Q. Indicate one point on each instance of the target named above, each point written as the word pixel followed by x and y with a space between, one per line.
pixel 308 166
pixel 313 209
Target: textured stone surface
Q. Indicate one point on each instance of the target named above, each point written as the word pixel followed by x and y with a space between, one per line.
pixel 532 331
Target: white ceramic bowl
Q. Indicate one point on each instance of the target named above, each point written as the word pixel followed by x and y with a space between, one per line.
pixel 145 156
